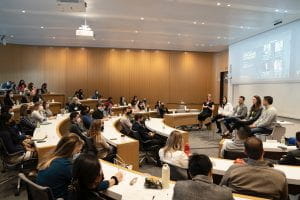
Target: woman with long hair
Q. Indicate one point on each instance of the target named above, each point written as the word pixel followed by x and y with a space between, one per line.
pixel 225 110
pixel 55 171
pixel 86 184
pixel 173 152
pixel 104 150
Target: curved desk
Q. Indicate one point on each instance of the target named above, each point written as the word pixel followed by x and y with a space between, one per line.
pixel 181 119
pixel 158 126
pixel 127 148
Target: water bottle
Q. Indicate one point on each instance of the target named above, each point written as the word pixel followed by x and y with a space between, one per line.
pixel 187 149
pixel 165 176
pixel 282 141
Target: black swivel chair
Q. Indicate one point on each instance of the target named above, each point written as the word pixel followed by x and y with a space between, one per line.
pixel 147 149
pixel 19 166
pixel 178 173
pixel 232 155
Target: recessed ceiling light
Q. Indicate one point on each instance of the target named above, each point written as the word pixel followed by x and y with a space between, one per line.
pixel 132 40
pixel 142 18
pixel 179 34
pixel 276 10
pixel 23 11
pixel 202 45
pixel 241 27
pixel 202 23
pixel 218 4
pixel 228 5
pixel 218 37
pixel 194 22
pixel 285 11
pixel 11 36
pixel 169 42
pixel 136 31
pixel 53 37
pixel 42 27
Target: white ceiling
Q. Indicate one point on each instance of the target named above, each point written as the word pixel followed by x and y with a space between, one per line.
pixel 167 24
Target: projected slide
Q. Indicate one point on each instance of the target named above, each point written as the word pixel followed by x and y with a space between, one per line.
pixel 268 57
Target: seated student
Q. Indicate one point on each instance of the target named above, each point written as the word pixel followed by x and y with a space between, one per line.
pixel 31 89
pixel 237 144
pixel 87 184
pixel 162 110
pixel 21 86
pixel 173 152
pixel 55 171
pixel 256 177
pixel 86 117
pixel 79 94
pixel 37 97
pixel 267 120
pixel 157 105
pixel 76 126
pixel 37 113
pixel 27 124
pixel 254 114
pixel 145 134
pixel 122 101
pixel 104 150
pixel 96 95
pixel 44 89
pixel 134 101
pixel 126 120
pixel 141 106
pixel 100 112
pixel 8 99
pixel 225 110
pixel 292 157
pixel 9 85
pixel 201 187
pixel 207 110
pixel 12 140
pixel 46 109
pixel 25 97
pixel 75 105
pixel 108 105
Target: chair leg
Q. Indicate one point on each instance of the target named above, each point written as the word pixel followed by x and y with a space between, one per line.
pixel 17 193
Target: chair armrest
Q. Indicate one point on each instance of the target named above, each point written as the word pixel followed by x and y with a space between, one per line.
pixel 18 153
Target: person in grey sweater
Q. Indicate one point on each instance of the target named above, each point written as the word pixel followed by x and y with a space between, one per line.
pixel 267 120
pixel 201 187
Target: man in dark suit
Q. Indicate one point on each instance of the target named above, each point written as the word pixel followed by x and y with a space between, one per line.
pixel 292 157
pixel 201 187
pixel 76 126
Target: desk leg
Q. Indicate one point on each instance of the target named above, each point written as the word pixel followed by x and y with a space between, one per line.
pixel 129 152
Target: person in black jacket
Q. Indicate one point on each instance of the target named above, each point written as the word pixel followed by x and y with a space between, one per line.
pixel 87 184
pixel 26 124
pixel 292 157
pixel 207 110
pixel 79 94
pixel 100 112
pixel 38 96
pixel 75 105
pixel 8 99
pixel 44 89
pixel 144 133
pixel 76 126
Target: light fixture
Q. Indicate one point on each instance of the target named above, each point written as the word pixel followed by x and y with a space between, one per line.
pixel 169 42
pixel 285 11
pixel 218 37
pixel 179 34
pixel 228 5
pixel 202 45
pixel 11 36
pixel 218 4
pixel 84 31
pixel 136 31
pixel 142 18
pixel 42 27
pixel 197 45
pixel 241 27
pixel 194 22
pixel 276 10
pixel 23 11
pixel 202 23
pixel 53 37
pixel 132 40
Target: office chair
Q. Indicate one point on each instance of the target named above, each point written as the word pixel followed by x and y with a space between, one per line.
pixel 232 155
pixel 177 173
pixel 147 149
pixel 19 166
pixel 35 191
pixel 277 133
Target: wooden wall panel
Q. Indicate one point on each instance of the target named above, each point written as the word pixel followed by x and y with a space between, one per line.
pixel 170 76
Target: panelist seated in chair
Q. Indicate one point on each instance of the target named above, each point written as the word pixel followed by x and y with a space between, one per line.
pixel 201 187
pixel 144 133
pixel 237 143
pixel 13 141
pixel 254 114
pixel 266 122
pixel 173 152
pixel 292 157
pixel 225 110
pixel 239 112
pixel 254 176
pixel 207 110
